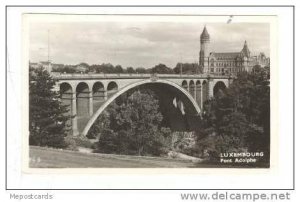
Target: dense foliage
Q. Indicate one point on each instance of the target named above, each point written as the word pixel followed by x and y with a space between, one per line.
pixel 161 69
pixel 107 68
pixel 132 125
pixel 186 68
pixel 238 118
pixel 47 119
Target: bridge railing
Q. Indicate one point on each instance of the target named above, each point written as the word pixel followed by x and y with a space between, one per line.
pixel 95 75
pixel 58 75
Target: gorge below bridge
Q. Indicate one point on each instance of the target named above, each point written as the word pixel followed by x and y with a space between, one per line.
pixel 181 97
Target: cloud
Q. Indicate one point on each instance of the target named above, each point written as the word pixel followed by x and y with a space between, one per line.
pixel 140 44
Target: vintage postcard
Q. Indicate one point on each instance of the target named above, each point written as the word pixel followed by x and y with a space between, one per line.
pixel 149 97
pixel 196 100
pixel 149 91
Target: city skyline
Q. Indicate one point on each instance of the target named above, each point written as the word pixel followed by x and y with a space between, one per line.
pixel 140 44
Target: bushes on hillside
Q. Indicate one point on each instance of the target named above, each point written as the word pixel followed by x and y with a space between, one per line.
pixel 132 125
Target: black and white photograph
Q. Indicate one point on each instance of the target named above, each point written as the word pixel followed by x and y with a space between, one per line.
pixel 152 103
pixel 146 92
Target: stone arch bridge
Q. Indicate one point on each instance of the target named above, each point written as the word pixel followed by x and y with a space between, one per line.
pixel 88 95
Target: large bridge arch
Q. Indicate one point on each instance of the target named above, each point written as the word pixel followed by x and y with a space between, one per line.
pixel 184 93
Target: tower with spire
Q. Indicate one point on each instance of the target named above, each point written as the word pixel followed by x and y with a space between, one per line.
pixel 204 50
pixel 225 63
pixel 245 50
pixel 246 57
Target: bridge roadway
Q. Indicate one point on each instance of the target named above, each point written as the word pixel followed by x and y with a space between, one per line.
pixel 88 95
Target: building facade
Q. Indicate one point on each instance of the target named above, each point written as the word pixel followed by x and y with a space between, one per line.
pixel 261 60
pixel 226 63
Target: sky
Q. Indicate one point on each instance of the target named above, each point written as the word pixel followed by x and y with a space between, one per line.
pixel 140 44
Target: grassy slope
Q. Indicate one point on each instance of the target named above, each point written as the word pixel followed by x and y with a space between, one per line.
pixel 53 158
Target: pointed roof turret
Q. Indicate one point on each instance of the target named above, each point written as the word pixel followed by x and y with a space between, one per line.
pixel 245 50
pixel 204 36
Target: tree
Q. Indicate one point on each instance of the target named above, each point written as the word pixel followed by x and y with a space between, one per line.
pixel 119 69
pixel 103 68
pixel 186 68
pixel 141 70
pixel 130 70
pixel 47 120
pixel 132 125
pixel 65 69
pixel 162 69
pixel 84 64
pixel 238 118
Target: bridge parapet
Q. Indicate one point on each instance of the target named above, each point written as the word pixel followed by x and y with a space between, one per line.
pixel 63 76
pixel 98 76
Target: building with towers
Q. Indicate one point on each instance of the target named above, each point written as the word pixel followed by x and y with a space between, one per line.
pixel 225 63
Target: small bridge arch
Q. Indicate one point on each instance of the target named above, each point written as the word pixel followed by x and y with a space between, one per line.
pixel 219 86
pixel 66 95
pixel 82 95
pixel 112 87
